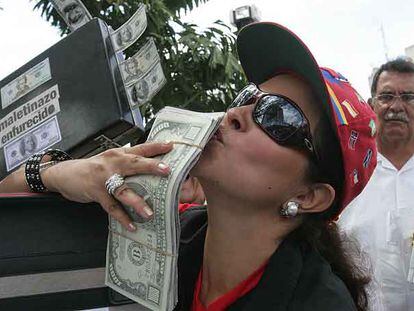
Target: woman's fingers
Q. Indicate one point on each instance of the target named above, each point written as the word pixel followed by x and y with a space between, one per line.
pixel 150 149
pixel 135 160
pixel 136 164
pixel 126 162
pixel 113 208
pixel 128 197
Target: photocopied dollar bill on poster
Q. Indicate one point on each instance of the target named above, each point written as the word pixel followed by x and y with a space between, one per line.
pixel 74 12
pixel 146 87
pixel 29 115
pixel 140 63
pixel 43 136
pixel 131 30
pixel 25 83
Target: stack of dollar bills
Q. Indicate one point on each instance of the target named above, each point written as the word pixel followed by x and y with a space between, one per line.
pixel 142 265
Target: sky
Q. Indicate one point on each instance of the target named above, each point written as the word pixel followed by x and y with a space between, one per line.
pixel 344 35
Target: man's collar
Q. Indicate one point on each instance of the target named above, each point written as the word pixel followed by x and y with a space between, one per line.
pixel 384 162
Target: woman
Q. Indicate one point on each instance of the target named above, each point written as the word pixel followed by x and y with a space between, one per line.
pixel 276 175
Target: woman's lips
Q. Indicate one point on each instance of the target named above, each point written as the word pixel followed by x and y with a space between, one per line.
pixel 218 136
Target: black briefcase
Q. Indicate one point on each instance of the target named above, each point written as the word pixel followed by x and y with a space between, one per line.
pixel 52 254
pixel 69 97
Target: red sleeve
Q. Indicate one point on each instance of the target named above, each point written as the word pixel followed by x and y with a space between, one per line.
pixel 182 207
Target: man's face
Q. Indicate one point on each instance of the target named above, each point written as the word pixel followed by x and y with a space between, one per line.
pixel 395 117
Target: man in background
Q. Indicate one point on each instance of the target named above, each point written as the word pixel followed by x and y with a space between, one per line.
pixel 381 218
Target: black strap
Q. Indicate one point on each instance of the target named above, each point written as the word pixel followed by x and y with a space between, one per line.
pixel 32 167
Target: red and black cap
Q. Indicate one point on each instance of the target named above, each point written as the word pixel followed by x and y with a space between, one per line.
pixel 266 49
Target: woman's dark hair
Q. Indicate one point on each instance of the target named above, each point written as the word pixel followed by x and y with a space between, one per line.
pixel 322 234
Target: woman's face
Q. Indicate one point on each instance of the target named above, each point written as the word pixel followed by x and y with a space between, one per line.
pixel 244 163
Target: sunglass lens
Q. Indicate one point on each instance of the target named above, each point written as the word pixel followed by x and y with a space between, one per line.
pixel 245 97
pixel 279 118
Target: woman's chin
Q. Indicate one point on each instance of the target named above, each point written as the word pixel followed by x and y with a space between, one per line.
pixel 203 165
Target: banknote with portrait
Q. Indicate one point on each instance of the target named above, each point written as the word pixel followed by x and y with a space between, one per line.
pixel 40 138
pixel 139 64
pixel 73 12
pixel 142 91
pixel 25 83
pixel 131 30
pixel 142 265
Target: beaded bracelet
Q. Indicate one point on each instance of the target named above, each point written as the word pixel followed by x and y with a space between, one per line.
pixel 33 166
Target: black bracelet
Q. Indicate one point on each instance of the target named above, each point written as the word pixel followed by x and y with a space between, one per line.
pixel 32 167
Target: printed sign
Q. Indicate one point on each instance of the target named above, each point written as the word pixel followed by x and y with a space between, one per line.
pixel 27 116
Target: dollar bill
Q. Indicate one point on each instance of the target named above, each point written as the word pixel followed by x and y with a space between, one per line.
pixel 73 12
pixel 142 265
pixel 130 31
pixel 147 87
pixel 40 138
pixel 25 83
pixel 136 66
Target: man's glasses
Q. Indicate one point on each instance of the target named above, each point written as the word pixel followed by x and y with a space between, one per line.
pixel 388 98
pixel 278 116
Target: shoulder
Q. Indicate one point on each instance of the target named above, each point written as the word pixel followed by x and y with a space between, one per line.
pixel 297 278
pixel 319 288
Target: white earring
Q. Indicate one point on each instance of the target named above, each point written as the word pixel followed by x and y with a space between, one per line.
pixel 290 209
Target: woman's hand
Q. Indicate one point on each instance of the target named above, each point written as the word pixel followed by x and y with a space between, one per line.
pixel 84 180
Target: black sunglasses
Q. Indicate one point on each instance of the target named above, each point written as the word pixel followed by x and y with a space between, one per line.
pixel 278 116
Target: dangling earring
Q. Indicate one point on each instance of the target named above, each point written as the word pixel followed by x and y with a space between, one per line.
pixel 290 209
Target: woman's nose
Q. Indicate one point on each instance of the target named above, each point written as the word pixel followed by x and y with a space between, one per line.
pixel 238 118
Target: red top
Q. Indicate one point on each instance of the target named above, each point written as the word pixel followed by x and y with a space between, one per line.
pixel 224 301
pixel 182 207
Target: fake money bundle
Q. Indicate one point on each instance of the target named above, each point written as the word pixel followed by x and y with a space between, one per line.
pixel 142 265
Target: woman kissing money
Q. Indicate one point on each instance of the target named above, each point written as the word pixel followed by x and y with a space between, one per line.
pixel 276 176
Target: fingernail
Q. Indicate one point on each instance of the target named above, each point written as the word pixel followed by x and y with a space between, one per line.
pixel 148 211
pixel 163 167
pixel 131 227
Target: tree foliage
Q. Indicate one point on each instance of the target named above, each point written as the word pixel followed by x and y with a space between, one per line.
pixel 201 66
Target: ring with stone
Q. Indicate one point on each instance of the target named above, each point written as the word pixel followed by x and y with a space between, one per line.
pixel 113 183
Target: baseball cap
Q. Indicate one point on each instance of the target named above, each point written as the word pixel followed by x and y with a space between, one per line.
pixel 266 49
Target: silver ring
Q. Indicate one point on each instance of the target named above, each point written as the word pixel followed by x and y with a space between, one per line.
pixel 113 183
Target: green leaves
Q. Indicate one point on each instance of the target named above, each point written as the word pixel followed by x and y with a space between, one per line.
pixel 201 66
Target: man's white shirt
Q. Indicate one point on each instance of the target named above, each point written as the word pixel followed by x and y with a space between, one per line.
pixel 381 218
